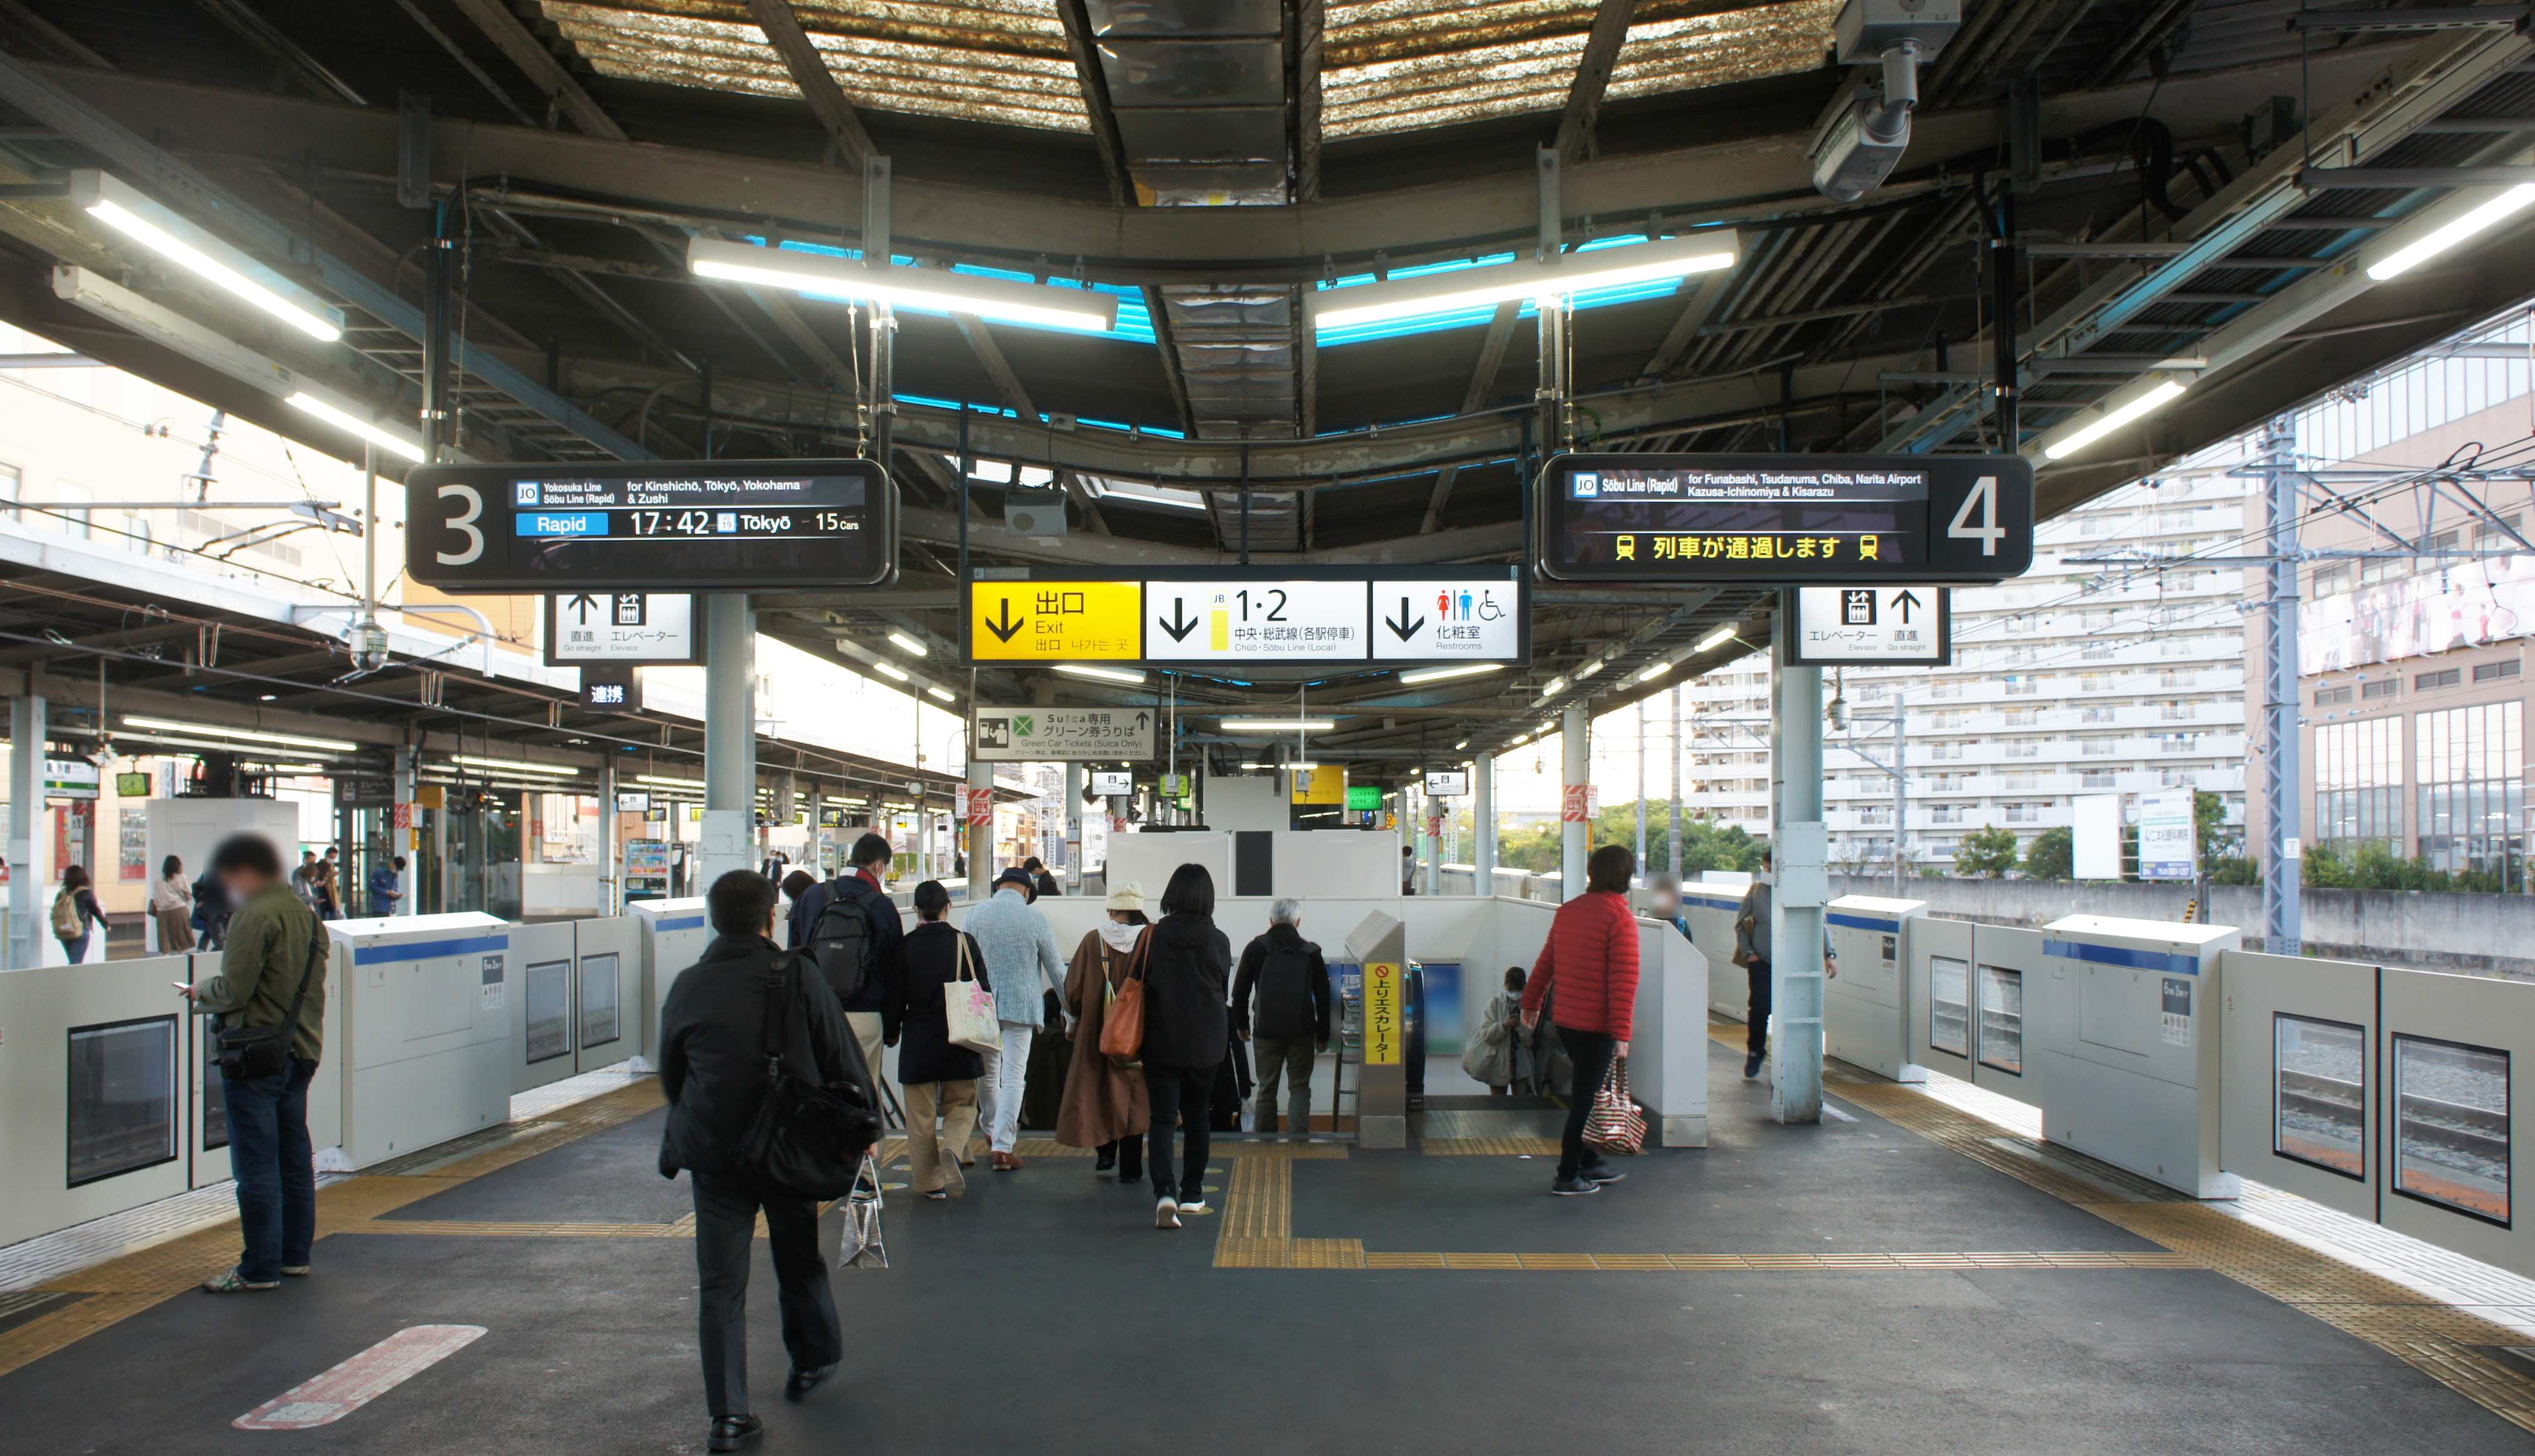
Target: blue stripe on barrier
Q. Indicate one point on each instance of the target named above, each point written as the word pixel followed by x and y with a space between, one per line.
pixel 2115 955
pixel 682 923
pixel 429 949
pixel 1712 903
pixel 1864 923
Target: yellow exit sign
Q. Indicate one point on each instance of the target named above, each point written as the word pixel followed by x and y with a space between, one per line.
pixel 1055 620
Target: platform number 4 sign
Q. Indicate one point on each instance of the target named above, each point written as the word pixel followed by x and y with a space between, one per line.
pixel 1983 499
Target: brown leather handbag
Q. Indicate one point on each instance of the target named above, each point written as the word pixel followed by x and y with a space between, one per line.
pixel 1122 1024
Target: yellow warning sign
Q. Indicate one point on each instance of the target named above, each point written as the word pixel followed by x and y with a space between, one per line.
pixel 1382 1029
pixel 1055 620
pixel 1319 786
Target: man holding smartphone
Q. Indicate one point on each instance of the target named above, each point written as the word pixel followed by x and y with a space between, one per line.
pixel 262 965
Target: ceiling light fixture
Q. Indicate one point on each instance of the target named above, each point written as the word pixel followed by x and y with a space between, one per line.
pixel 941 694
pixel 910 645
pixel 1553 687
pixel 401 446
pixel 667 782
pixel 243 735
pixel 1441 674
pixel 1100 674
pixel 1275 725
pixel 1717 638
pixel 2156 396
pixel 1297 764
pixel 2492 211
pixel 513 765
pixel 894 671
pixel 1654 672
pixel 1452 289
pixel 128 210
pixel 819 276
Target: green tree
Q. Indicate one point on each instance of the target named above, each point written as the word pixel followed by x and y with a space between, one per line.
pixel 1987 852
pixel 2218 841
pixel 2053 855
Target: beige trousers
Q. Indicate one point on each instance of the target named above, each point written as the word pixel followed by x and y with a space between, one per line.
pixel 956 1104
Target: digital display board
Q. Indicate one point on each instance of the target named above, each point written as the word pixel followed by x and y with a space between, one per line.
pixel 1786 520
pixel 656 525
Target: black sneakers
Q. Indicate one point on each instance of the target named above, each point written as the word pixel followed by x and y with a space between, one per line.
pixel 1569 1187
pixel 1751 1066
pixel 1602 1172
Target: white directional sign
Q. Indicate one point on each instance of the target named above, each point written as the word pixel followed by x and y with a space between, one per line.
pixel 1475 621
pixel 1059 735
pixel 1873 625
pixel 1252 620
pixel 620 627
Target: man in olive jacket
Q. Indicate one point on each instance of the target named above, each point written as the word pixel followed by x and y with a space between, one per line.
pixel 263 962
pixel 712 1071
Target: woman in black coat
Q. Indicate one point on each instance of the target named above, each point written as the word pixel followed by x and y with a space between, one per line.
pixel 939 1078
pixel 1186 1028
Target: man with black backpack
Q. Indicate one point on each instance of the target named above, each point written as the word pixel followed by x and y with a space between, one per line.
pixel 715 1071
pixel 271 976
pixel 851 928
pixel 1292 983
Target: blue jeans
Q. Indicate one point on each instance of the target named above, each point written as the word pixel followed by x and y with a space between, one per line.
pixel 76 950
pixel 276 1168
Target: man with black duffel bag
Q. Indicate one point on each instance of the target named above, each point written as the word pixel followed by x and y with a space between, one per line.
pixel 771 1107
pixel 271 997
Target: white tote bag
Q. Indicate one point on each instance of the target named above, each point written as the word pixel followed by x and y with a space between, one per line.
pixel 970 1007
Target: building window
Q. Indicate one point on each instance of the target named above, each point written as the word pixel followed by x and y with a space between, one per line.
pixel 2023 813
pixel 2023 717
pixel 2017 684
pixel 2178 743
pixel 2100 747
pixel 2470 766
pixel 2327 696
pixel 2446 677
pixel 2382 688
pixel 2176 676
pixel 2024 748
pixel 2096 651
pixel 2491 672
pixel 2100 713
pixel 2098 778
pixel 2358 781
pixel 1945 751
pixel 1946 814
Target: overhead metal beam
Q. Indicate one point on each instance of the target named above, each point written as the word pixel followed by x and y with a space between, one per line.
pixel 1483 378
pixel 990 356
pixel 1592 77
pixel 465 62
pixel 1084 48
pixel 2365 179
pixel 264 35
pixel 924 523
pixel 810 73
pixel 542 67
pixel 62 41
pixel 2423 17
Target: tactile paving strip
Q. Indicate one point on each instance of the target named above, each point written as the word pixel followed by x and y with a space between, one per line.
pixel 1492 1147
pixel 1691 1263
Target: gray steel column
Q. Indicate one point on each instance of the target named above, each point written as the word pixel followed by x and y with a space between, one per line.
pixel 25 804
pixel 1642 786
pixel 980 837
pixel 1483 824
pixel 400 841
pixel 2283 908
pixel 731 737
pixel 1803 884
pixel 1575 758
pixel 1074 827
pixel 1901 789
pixel 1672 834
pixel 611 892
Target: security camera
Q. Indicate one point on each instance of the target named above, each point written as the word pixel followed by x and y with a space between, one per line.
pixel 1863 140
pixel 369 642
pixel 1837 713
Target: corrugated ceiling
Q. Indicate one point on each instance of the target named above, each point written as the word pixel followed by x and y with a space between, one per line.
pixel 1388 65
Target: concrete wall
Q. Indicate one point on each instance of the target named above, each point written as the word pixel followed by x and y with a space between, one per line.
pixel 2472 933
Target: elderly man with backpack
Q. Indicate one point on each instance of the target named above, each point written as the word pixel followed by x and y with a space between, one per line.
pixel 851 928
pixel 1290 982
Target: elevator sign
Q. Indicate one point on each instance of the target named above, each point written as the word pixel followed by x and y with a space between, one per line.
pixel 1870 627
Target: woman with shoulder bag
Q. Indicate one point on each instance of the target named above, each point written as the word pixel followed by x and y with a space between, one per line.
pixel 938 1076
pixel 1591 960
pixel 1188 1029
pixel 1105 1108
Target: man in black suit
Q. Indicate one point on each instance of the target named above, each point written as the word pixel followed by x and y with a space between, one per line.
pixel 712 1069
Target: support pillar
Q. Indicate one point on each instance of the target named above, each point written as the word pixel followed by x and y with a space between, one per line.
pixel 401 841
pixel 26 807
pixel 731 737
pixel 1576 776
pixel 2282 852
pixel 1483 824
pixel 1672 834
pixel 1803 882
pixel 980 837
pixel 1072 877
pixel 611 890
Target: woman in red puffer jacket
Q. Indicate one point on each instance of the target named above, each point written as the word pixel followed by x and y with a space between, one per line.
pixel 1591 959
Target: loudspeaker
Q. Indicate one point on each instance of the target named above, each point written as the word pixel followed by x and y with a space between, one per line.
pixel 1034 512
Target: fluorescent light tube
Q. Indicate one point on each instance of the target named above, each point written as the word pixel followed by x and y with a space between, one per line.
pixel 1553 687
pixel 910 645
pixel 513 765
pixel 2491 213
pixel 1103 674
pixel 675 783
pixel 937 693
pixel 164 232
pixel 343 420
pixel 1458 288
pixel 243 735
pixel 1654 672
pixel 1000 299
pixel 1439 674
pixel 892 670
pixel 2113 418
pixel 1275 725
pixel 1717 638
pixel 1298 763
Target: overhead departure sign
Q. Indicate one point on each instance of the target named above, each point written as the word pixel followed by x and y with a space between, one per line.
pixel 1786 519
pixel 653 526
pixel 1387 615
pixel 1872 627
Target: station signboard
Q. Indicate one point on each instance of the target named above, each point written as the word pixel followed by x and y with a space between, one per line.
pixel 1364 616
pixel 628 628
pixel 1785 520
pixel 650 526
pixel 1062 735
pixel 1902 626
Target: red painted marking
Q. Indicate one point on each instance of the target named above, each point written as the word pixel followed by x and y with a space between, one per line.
pixel 364 1377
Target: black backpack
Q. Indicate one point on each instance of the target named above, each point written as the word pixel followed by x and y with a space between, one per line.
pixel 842 943
pixel 1285 1004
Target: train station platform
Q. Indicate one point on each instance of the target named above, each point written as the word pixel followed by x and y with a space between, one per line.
pixel 1917 1273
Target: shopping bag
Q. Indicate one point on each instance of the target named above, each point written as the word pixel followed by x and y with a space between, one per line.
pixel 970 1007
pixel 1615 1125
